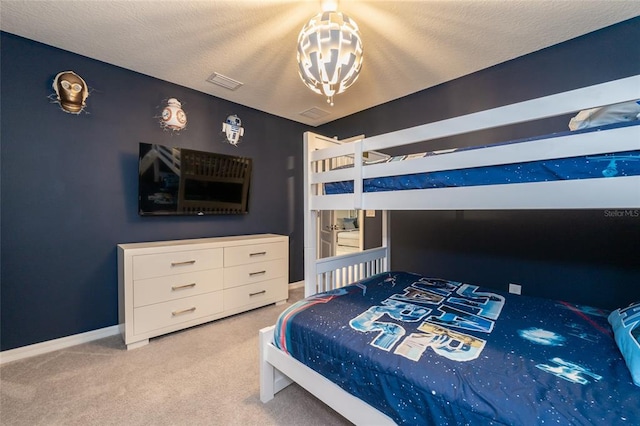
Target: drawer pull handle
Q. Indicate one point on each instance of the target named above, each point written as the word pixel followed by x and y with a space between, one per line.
pixel 182 312
pixel 183 286
pixel 253 274
pixel 257 293
pixel 186 262
pixel 260 253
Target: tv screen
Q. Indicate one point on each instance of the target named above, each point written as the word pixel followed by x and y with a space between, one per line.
pixel 180 181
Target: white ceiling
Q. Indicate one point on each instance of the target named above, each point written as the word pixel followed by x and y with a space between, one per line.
pixel 408 45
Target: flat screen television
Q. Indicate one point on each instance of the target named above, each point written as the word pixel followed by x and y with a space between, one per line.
pixel 180 181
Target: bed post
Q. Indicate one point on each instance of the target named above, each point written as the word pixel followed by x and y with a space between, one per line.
pixel 267 372
pixel 310 221
pixel 386 239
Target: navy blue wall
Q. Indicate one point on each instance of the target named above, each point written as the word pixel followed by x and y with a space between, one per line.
pixel 69 186
pixel 586 257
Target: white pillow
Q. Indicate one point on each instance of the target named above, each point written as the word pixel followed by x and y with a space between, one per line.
pixel 626 111
pixel 626 329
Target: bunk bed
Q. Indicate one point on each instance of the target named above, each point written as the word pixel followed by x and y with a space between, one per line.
pixel 423 308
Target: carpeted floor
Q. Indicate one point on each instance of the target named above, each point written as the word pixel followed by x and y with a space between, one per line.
pixel 205 375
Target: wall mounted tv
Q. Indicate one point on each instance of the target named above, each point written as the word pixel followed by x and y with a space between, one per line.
pixel 180 181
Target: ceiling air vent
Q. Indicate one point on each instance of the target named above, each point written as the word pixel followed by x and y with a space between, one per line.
pixel 224 81
pixel 314 113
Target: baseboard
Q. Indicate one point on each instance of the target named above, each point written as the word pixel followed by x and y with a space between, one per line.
pixel 56 344
pixel 297 284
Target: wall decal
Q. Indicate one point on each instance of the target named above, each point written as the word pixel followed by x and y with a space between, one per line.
pixel 173 117
pixel 71 92
pixel 233 129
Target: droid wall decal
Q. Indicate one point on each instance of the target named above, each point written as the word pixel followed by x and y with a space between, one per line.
pixel 173 117
pixel 71 92
pixel 233 130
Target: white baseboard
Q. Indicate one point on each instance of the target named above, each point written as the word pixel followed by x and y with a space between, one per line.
pixel 57 344
pixel 297 284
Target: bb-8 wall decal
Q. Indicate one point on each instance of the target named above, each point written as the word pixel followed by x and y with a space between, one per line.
pixel 173 117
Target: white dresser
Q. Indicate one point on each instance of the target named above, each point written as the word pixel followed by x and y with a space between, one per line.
pixel 170 285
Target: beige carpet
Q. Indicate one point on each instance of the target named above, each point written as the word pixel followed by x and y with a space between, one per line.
pixel 205 375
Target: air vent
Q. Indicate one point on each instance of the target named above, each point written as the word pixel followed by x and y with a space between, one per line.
pixel 314 113
pixel 224 81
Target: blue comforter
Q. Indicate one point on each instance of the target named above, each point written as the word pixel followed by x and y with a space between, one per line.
pixel 431 352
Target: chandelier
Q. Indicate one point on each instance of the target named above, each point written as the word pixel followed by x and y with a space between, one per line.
pixel 329 53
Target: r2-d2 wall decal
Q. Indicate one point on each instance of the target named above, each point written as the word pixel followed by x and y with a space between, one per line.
pixel 233 129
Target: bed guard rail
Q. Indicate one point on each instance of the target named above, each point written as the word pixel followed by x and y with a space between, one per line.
pixel 336 272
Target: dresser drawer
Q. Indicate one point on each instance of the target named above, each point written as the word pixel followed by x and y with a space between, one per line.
pixel 254 272
pixel 160 315
pixel 242 255
pixel 175 262
pixel 257 294
pixel 163 289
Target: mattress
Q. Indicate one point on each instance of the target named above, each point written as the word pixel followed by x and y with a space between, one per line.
pixel 349 238
pixel 429 351
pixel 607 165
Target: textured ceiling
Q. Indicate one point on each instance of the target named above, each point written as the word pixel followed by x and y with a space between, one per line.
pixel 408 45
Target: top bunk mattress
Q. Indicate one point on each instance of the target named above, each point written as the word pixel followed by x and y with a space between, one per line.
pixel 430 352
pixel 606 165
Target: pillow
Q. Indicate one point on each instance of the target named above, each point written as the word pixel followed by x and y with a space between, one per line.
pixel 625 111
pixel 626 329
pixel 348 223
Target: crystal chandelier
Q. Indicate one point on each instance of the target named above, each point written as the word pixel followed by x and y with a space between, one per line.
pixel 329 53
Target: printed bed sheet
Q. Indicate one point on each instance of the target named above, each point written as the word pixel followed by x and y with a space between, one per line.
pixel 608 165
pixel 427 351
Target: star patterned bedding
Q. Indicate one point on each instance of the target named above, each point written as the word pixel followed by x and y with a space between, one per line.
pixel 608 165
pixel 428 351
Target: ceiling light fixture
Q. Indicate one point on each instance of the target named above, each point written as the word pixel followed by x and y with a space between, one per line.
pixel 329 52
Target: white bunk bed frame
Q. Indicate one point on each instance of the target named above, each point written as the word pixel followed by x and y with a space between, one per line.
pixel 320 153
